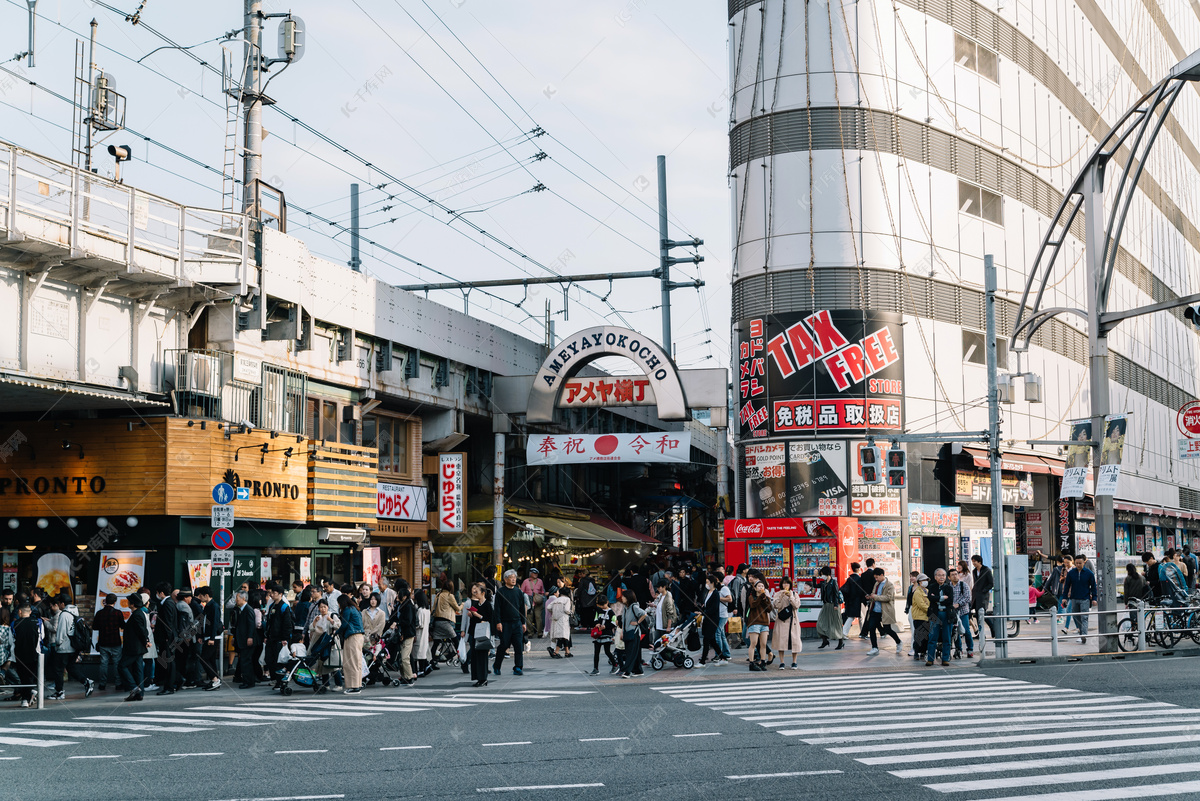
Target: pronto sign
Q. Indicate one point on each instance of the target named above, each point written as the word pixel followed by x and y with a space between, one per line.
pixel 590 344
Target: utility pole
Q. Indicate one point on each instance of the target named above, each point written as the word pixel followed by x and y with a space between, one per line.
pixel 665 260
pixel 252 101
pixel 355 261
pixel 91 98
pixel 999 565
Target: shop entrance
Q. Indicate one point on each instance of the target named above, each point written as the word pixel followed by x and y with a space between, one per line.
pixel 934 555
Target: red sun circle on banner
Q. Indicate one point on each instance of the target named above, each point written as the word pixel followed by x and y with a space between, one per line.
pixel 1188 419
pixel 606 445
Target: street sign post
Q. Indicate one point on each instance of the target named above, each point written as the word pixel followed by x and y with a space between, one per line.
pixel 222 539
pixel 222 559
pixel 243 493
pixel 222 517
pixel 223 493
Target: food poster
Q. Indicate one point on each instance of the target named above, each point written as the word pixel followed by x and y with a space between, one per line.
pixel 54 575
pixel 10 571
pixel 817 481
pixel 120 573
pixel 264 571
pixel 770 559
pixel 372 567
pixel 880 540
pixel 766 479
pixel 200 573
pixel 306 570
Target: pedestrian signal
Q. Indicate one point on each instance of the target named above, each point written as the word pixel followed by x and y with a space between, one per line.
pixel 897 468
pixel 870 464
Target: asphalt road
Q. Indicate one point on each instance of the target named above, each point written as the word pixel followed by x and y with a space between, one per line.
pixel 1030 733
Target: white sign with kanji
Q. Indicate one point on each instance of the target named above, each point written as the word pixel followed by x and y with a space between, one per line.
pixel 581 392
pixel 668 446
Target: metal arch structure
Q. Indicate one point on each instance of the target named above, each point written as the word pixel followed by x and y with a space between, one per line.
pixel 1138 130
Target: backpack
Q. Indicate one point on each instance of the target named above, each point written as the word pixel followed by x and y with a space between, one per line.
pixel 81 636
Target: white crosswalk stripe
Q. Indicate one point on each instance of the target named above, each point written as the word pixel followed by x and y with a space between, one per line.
pixel 265 710
pixel 995 734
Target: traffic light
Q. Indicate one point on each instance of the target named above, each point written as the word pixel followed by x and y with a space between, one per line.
pixel 869 460
pixel 897 468
pixel 1192 315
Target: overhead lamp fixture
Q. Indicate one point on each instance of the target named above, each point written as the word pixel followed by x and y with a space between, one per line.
pixel 31 547
pixel 101 522
pixel 42 522
pixel 131 522
pixel 68 444
pixel 81 546
pixel 72 522
pixel 13 522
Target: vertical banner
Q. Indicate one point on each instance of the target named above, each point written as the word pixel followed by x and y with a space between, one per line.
pixel 306 570
pixel 372 566
pixel 1108 472
pixel 450 492
pixel 10 571
pixel 121 572
pixel 200 573
pixel 880 540
pixel 1078 456
pixel 1064 526
pixel 766 479
pixel 245 571
pixel 264 571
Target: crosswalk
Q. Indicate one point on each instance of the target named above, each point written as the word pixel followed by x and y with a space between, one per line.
pixel 974 736
pixel 266 711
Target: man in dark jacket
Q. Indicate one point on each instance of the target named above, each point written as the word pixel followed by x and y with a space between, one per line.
pixel 510 623
pixel 244 633
pixel 277 629
pixel 165 627
pixel 209 629
pixel 981 589
pixel 853 597
pixel 585 599
pixel 1152 577
pixel 941 617
pixel 189 646
pixel 134 647
pixel 27 636
pixel 107 624
pixel 404 620
pixel 867 581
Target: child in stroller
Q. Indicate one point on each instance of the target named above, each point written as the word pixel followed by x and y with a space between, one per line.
pixel 304 666
pixel 676 646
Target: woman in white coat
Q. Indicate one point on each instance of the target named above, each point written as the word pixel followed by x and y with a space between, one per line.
pixel 559 605
pixel 420 651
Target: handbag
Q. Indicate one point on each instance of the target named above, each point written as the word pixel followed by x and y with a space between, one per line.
pixel 734 625
pixel 482 643
pixel 784 614
pixel 335 658
pixel 597 632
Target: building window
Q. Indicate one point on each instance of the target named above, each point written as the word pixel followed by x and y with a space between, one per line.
pixel 977 58
pixel 979 202
pixel 975 351
pixel 391 436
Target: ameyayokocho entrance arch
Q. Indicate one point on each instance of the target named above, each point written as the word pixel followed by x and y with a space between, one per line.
pixel 557 385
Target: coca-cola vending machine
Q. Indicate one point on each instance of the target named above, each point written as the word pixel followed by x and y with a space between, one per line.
pixel 795 547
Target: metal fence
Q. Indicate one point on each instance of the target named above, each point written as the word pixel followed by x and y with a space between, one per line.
pixel 1136 627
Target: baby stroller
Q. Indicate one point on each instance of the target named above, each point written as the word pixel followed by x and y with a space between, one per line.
pixel 377 665
pixel 301 667
pixel 676 646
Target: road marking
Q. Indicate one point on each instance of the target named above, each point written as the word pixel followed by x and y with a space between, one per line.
pixel 942 695
pixel 999 725
pixel 1112 793
pixel 204 753
pixel 288 798
pixel 8 759
pixel 1043 748
pixel 998 782
pixel 189 721
pixel 90 735
pixel 286 711
pixel 493 745
pixel 537 787
pixel 1014 700
pixel 97 756
pixel 1084 707
pixel 1091 734
pixel 129 726
pixel 784 775
pixel 36 743
pixel 1055 762
pixel 700 734
pixel 257 716
pixel 311 751
pixel 405 747
pixel 601 739
pixel 839 691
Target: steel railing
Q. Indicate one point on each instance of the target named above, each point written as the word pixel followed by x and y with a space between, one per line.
pixel 1140 614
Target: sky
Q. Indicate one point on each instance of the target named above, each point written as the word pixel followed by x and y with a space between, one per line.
pixel 441 94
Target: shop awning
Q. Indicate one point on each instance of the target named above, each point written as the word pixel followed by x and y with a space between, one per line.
pixel 1018 462
pixel 576 532
pixel 20 394
pixel 1154 511
pixel 626 530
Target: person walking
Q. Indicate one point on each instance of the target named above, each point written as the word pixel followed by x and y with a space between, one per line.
pixel 1081 594
pixel 711 619
pixel 134 647
pixel 480 613
pixel 244 635
pixel 422 665
pixel 559 605
pixel 962 615
pixel 107 624
pixel 351 634
pixel 63 657
pixel 166 623
pixel 941 617
pixel 188 654
pixel 210 628
pixel 758 619
pixel 981 586
pixel 8 673
pixel 374 618
pixel 27 639
pixel 404 623
pixel 509 616
pixel 881 611
pixel 586 593
pixel 603 630
pixel 535 595
pixel 738 590
pixel 321 635
pixel 867 580
pixel 829 621
pixel 785 638
pixel 277 630
pixel 631 633
pixel 665 613
pixel 920 615
pixel 852 599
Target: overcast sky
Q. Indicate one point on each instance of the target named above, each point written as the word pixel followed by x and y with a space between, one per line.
pixel 616 83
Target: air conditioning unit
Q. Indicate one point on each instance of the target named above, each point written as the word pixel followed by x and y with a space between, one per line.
pixel 200 374
pixel 342 534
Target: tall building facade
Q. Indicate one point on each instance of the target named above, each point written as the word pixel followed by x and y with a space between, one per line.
pixel 877 152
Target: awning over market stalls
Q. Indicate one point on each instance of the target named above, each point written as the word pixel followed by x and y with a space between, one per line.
pixel 549 525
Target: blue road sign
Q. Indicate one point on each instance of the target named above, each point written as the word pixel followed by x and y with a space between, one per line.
pixel 222 539
pixel 222 493
pixel 243 493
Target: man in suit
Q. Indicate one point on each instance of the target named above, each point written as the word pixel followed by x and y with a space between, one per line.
pixel 134 647
pixel 244 631
pixel 867 580
pixel 209 630
pixel 852 597
pixel 278 627
pixel 165 627
pixel 981 589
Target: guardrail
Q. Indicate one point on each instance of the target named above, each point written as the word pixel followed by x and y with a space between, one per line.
pixel 1135 625
pixel 89 216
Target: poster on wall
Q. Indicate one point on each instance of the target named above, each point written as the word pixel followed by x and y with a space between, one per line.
pixel 1035 531
pixel 975 486
pixel 264 571
pixel 199 573
pixel 880 540
pixel 245 571
pixel 451 513
pixel 870 500
pixel 306 570
pixel 54 574
pixel 932 520
pixel 8 579
pixel 1078 457
pixel 1064 526
pixel 766 479
pixel 120 573
pixel 752 379
pixel 1108 472
pixel 817 481
pixel 372 566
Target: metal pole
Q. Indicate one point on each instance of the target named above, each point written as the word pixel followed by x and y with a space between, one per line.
pixel 722 491
pixel 1095 240
pixel 998 565
pixel 498 505
pixel 355 261
pixel 1141 624
pixel 252 100
pixel 91 98
pixel 664 255
pixel 220 666
pixel 1053 634
pixel 41 678
pixel 32 28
